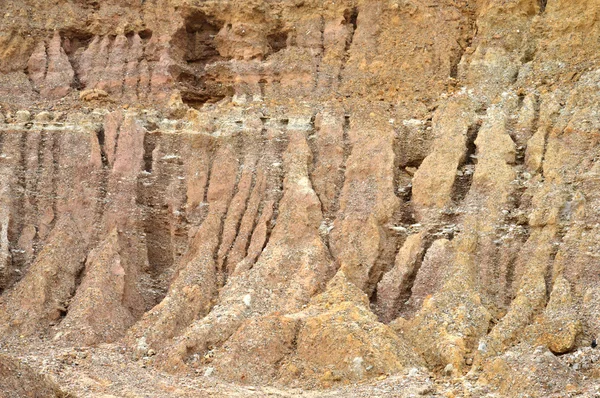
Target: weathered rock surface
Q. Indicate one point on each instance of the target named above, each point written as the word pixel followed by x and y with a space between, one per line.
pixel 529 371
pixel 18 380
pixel 305 193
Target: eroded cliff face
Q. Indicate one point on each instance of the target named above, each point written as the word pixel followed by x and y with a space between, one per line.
pixel 305 193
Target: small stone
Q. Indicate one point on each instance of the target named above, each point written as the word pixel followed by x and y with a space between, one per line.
pixel 410 170
pixel 425 390
pixel 93 94
pixel 570 388
pixel 247 300
pixel 151 352
pixel 293 369
pixel 449 369
pixel 469 361
pixel 43 117
pixel 398 228
pixel 208 372
pixel 23 116
pixel 142 346
pixel 482 346
pixel 358 365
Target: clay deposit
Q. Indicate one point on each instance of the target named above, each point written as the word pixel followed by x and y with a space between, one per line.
pixel 299 198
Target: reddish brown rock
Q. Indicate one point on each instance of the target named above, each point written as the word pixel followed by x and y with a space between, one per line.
pixel 59 73
pixel 41 298
pixel 193 288
pixel 274 282
pixel 50 69
pixel 107 302
pixel 189 176
pixel 367 199
pixel 395 286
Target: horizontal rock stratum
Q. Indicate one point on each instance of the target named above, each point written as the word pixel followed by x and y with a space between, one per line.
pixel 300 194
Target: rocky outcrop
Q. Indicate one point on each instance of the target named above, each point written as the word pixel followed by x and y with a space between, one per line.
pixel 305 193
pixel 335 339
pixel 49 69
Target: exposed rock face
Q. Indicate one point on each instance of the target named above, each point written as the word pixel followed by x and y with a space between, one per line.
pixel 304 193
pixel 324 342
pixel 50 70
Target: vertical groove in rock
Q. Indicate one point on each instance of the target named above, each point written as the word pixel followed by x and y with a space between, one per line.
pixel 19 260
pixel 351 24
pixel 235 217
pixel 56 176
pixel 276 176
pixel 234 210
pixel 347 150
pixel 467 166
